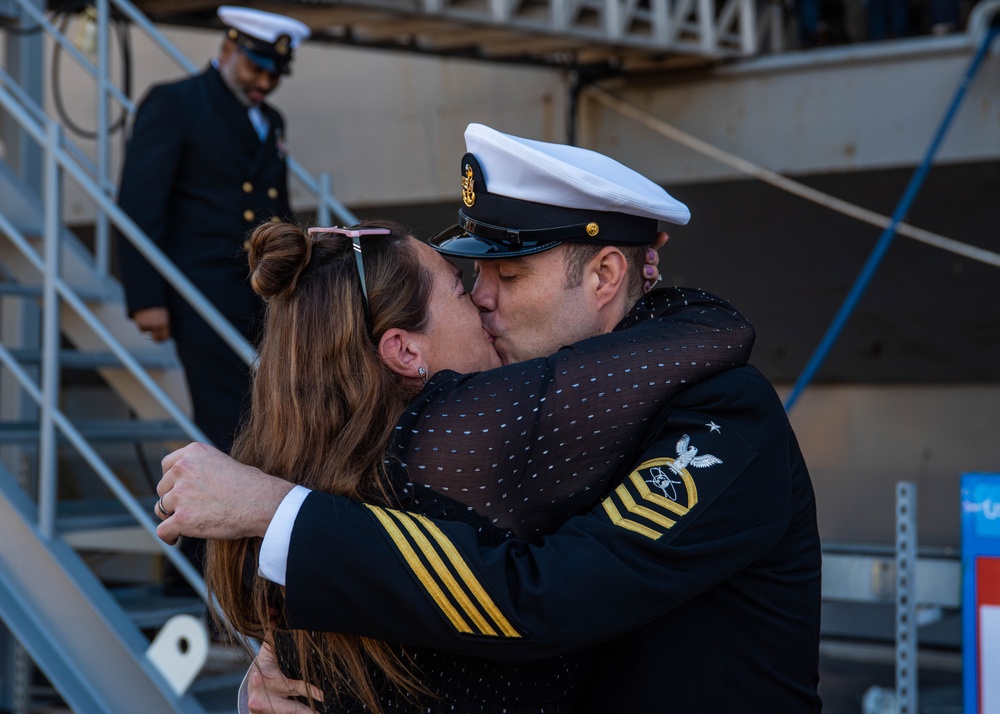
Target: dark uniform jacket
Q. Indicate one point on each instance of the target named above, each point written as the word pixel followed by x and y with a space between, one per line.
pixel 704 563
pixel 197 179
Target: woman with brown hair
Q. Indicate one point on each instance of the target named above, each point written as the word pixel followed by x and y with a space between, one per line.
pixel 370 336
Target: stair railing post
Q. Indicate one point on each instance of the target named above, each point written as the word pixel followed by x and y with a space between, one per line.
pixel 102 228
pixel 776 35
pixel 22 57
pixel 47 458
pixel 323 209
pixel 707 25
pixel 748 27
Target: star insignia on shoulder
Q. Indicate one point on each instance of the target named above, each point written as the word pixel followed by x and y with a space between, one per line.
pixel 712 426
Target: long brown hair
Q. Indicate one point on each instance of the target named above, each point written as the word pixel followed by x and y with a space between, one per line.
pixel 324 408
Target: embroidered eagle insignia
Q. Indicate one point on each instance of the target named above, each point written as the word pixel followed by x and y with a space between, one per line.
pixel 687 455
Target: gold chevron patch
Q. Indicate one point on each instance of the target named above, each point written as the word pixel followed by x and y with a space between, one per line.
pixel 444 574
pixel 636 507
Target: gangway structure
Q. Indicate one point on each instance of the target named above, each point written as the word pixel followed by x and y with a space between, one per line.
pixel 616 34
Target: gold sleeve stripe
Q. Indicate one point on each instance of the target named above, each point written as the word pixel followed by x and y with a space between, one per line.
pixel 632 507
pixel 627 524
pixel 470 580
pixel 425 578
pixel 445 576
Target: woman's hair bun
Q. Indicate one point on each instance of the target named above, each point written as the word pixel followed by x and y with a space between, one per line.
pixel 278 253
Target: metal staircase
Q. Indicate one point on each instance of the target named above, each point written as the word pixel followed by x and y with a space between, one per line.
pixel 86 409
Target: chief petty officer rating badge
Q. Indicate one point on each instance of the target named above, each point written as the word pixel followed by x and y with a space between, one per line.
pixel 678 495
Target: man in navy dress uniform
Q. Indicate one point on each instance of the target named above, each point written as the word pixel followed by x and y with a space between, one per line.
pixel 204 165
pixel 700 570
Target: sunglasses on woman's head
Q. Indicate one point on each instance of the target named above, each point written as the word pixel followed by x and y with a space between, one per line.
pixel 355 235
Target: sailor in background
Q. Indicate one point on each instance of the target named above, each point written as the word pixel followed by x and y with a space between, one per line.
pixel 204 165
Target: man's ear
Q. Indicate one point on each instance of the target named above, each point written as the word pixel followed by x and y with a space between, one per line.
pixel 609 270
pixel 226 49
pixel 401 353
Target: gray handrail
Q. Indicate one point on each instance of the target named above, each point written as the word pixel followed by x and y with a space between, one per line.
pixel 62 155
pixel 87 315
pixel 38 114
pixel 51 417
pixel 130 230
pixel 326 201
pixel 39 17
pixel 139 511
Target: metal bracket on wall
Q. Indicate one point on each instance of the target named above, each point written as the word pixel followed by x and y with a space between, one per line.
pixel 906 606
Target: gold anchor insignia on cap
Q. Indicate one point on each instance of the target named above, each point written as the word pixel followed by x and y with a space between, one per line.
pixel 281 45
pixel 233 34
pixel 593 229
pixel 468 186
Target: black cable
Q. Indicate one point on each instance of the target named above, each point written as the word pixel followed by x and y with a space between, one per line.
pixel 124 46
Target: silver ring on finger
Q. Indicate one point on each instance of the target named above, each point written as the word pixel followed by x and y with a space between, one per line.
pixel 161 509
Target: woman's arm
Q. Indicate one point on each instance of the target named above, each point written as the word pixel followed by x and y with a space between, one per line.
pixel 531 443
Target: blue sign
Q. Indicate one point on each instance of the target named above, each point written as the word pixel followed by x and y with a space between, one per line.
pixel 981 593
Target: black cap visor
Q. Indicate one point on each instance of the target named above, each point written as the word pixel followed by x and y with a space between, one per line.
pixel 272 65
pixel 265 55
pixel 460 243
pixel 475 239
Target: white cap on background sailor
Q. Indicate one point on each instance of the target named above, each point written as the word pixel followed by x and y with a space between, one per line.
pixel 521 196
pixel 268 39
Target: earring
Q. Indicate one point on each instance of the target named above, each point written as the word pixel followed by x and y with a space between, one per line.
pixel 423 374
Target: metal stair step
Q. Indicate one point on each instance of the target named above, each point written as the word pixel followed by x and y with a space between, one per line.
pixel 88 295
pixel 75 359
pixel 148 607
pixel 103 525
pixel 88 514
pixel 103 430
pixel 217 693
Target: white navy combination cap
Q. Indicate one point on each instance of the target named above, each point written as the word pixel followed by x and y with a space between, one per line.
pixel 267 38
pixel 521 196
